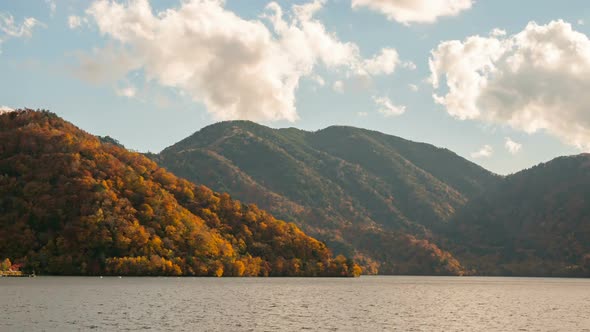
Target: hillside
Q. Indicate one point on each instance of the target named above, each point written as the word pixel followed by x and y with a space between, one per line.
pixel 365 193
pixel 73 204
pixel 535 222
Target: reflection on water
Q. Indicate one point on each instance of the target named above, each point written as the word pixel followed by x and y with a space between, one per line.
pixel 364 304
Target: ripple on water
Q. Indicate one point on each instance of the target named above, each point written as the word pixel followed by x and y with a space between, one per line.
pixel 368 303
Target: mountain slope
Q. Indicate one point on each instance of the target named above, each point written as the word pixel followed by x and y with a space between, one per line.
pixel 365 193
pixel 535 222
pixel 71 203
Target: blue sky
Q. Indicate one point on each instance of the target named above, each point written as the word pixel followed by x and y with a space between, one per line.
pixel 147 109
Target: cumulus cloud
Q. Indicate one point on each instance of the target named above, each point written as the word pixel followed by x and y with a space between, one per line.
pixel 383 63
pixel 10 29
pixel 362 114
pixel 239 69
pixel 415 11
pixel 486 151
pixel 512 146
pixel 5 109
pixel 387 107
pixel 537 79
pixel 413 87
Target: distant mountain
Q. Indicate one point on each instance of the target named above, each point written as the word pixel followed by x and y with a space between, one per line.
pixel 535 222
pixel 71 203
pixel 365 193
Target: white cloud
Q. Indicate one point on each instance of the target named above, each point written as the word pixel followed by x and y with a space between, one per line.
pixel 383 63
pixel 128 92
pixel 362 114
pixel 413 87
pixel 318 80
pixel 486 151
pixel 5 109
pixel 535 80
pixel 240 69
pixel 415 11
pixel 338 86
pixel 581 22
pixel 409 65
pixel 512 146
pixel 498 32
pixel 387 108
pixel 10 29
pixel 74 21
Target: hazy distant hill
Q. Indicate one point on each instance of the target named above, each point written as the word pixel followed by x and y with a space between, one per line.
pixel 71 203
pixel 535 222
pixel 366 193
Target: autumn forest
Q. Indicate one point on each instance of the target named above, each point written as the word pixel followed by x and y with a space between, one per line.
pixel 240 199
pixel 72 205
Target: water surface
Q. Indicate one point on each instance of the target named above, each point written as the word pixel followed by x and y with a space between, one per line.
pixel 293 304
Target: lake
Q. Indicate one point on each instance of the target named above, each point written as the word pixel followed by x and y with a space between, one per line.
pixel 293 304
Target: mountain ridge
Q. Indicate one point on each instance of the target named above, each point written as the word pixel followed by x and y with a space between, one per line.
pixel 376 196
pixel 75 204
pixel 536 222
pixel 325 185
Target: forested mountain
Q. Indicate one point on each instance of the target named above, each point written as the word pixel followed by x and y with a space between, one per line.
pixel 365 193
pixel 71 203
pixel 535 222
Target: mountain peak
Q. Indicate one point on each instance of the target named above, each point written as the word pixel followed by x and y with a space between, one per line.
pixel 335 182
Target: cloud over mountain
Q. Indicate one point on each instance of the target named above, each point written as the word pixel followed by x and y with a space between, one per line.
pixel 512 146
pixel 387 108
pixel 239 69
pixel 534 80
pixel 11 29
pixel 486 151
pixel 415 11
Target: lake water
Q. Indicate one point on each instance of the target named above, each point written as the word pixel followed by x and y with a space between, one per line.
pixel 293 304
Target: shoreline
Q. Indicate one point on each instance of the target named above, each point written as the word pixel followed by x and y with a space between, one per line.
pixel 16 274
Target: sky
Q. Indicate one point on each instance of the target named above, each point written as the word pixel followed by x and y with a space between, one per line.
pixel 502 83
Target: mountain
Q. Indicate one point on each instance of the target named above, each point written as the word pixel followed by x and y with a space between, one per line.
pixel 535 222
pixel 71 203
pixel 375 196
